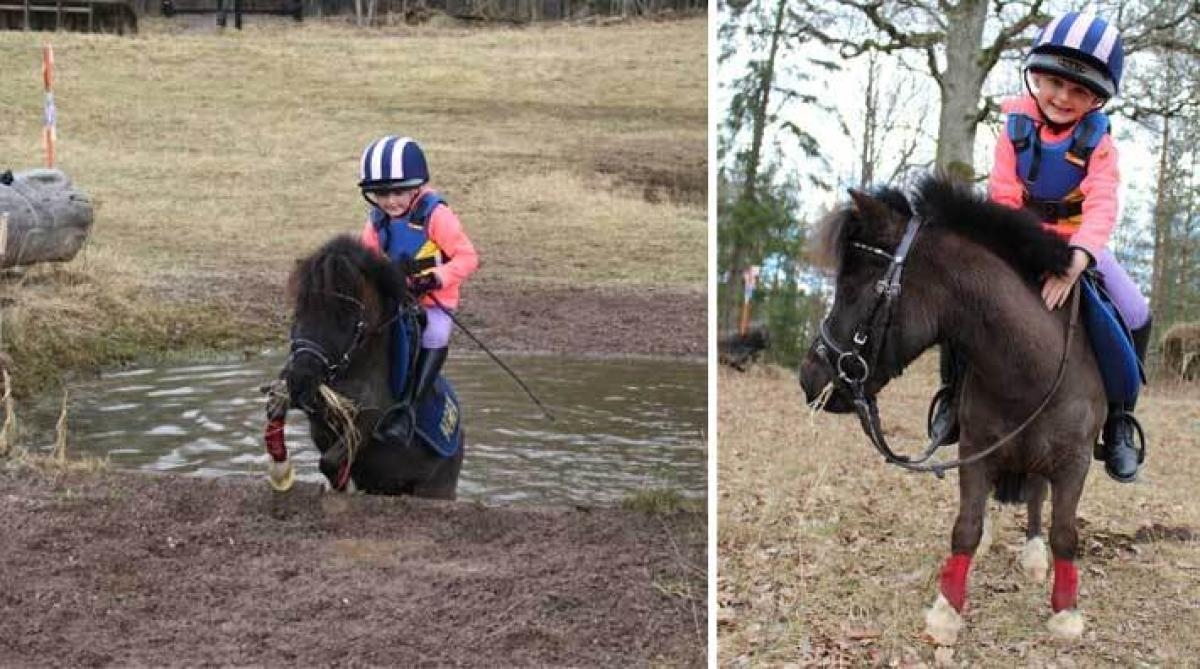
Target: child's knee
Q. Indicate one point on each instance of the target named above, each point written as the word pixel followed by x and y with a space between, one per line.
pixel 437 328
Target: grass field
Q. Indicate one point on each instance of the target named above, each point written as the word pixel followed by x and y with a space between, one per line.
pixel 829 556
pixel 575 155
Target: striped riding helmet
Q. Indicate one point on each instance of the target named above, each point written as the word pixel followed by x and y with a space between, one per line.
pixel 1082 48
pixel 392 162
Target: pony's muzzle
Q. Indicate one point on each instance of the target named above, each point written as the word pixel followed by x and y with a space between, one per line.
pixel 815 374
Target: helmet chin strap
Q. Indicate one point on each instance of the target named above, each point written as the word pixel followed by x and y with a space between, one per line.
pixel 373 203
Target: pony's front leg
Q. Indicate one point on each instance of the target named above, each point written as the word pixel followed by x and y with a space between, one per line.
pixel 1067 621
pixel 943 620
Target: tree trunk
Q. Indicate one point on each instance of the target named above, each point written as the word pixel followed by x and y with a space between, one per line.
pixel 870 120
pixel 43 218
pixel 961 84
pixel 1162 230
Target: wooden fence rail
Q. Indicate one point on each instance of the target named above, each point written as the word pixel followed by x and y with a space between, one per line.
pixel 80 15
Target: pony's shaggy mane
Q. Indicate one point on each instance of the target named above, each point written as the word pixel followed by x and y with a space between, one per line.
pixel 1016 236
pixel 338 269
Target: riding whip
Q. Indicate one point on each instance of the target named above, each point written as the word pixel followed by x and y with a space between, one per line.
pixel 497 360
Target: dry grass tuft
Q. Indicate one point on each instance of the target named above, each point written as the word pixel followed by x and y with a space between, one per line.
pixel 343 410
pixel 829 556
pixel 13 455
pixel 8 432
pixel 60 433
pixel 1181 351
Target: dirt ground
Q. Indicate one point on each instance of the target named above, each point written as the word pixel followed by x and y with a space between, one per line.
pixel 125 569
pixel 145 570
pixel 829 557
pixel 508 317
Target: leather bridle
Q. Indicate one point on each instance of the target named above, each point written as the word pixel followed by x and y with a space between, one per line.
pixel 333 366
pixel 848 361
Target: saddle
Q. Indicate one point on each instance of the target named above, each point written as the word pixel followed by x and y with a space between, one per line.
pixel 1111 341
pixel 437 417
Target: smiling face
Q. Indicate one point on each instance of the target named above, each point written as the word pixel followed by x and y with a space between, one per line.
pixel 1061 100
pixel 396 201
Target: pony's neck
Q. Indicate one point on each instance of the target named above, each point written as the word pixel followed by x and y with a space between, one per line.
pixel 994 318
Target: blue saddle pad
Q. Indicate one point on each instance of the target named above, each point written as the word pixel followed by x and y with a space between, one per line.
pixel 438 419
pixel 438 415
pixel 1112 344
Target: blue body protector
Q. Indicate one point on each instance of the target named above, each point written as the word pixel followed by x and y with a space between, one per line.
pixel 406 240
pixel 1111 342
pixel 1052 172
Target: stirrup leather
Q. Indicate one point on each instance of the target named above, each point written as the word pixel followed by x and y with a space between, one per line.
pixel 943 396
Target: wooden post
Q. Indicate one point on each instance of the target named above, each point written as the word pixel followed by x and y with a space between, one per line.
pixel 749 281
pixel 49 131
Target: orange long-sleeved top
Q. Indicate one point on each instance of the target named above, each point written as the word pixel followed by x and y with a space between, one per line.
pixel 445 230
pixel 1099 185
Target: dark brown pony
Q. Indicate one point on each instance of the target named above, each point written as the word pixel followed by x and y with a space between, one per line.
pixel 346 300
pixel 970 277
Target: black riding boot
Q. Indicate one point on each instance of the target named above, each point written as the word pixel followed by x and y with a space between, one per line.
pixel 397 423
pixel 1122 448
pixel 943 411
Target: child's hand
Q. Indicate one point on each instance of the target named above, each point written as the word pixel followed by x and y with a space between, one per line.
pixel 423 283
pixel 1056 288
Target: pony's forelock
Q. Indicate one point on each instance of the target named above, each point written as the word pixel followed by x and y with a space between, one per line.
pixel 828 239
pixel 839 226
pixel 339 269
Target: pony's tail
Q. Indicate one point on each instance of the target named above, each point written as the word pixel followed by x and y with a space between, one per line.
pixel 1010 488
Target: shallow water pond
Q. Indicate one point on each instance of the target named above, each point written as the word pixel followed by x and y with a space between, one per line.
pixel 621 425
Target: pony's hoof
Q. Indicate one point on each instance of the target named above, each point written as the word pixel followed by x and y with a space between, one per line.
pixel 1066 624
pixel 280 475
pixel 942 622
pixel 1034 561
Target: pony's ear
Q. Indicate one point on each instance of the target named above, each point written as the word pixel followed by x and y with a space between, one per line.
pixel 867 207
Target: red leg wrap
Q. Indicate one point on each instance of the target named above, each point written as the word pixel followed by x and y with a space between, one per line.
pixel 276 446
pixel 1066 585
pixel 954 580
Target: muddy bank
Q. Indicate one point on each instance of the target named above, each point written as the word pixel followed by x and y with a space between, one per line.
pixel 594 321
pixel 120 569
pixel 505 316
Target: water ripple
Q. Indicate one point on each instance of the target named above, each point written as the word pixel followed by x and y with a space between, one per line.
pixel 621 426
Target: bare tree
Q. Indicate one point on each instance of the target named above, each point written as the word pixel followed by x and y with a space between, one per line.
pixel 883 125
pixel 1163 97
pixel 958 50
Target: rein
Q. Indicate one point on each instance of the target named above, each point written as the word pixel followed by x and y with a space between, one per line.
pixel 888 289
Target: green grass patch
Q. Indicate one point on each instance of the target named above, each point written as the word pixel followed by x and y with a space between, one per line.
pixel 661 502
